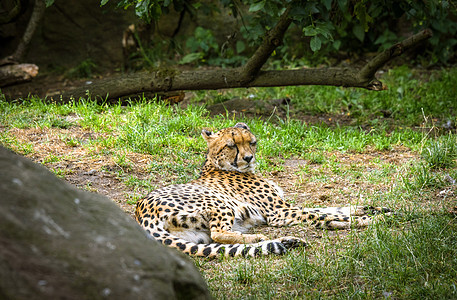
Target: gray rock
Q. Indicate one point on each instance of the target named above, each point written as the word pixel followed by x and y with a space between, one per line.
pixel 58 242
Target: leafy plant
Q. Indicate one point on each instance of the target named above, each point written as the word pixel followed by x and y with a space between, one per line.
pixel 327 26
pixel 201 45
pixel 84 70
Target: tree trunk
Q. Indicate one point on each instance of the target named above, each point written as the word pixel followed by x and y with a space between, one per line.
pixel 173 80
pixel 37 15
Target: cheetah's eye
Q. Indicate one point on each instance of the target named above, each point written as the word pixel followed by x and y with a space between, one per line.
pixel 231 144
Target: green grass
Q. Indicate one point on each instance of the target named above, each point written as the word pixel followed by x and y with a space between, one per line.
pixel 417 263
pixel 441 153
pixel 11 142
pixel 411 255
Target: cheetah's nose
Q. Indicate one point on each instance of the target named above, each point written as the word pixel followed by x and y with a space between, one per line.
pixel 248 158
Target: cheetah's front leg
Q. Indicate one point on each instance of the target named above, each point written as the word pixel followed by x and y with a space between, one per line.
pixel 233 237
pixel 221 228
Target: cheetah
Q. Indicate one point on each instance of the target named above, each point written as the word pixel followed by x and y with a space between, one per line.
pixel 210 216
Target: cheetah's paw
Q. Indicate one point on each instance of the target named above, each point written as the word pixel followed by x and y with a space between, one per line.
pixel 291 242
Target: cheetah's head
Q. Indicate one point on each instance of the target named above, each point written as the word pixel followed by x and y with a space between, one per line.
pixel 231 149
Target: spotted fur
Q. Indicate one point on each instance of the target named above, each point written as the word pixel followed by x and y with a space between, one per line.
pixel 211 215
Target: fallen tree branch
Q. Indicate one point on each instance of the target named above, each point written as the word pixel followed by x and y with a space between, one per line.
pixel 18 73
pixel 172 80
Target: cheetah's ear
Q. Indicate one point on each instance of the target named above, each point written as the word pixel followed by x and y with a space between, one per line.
pixel 206 134
pixel 242 125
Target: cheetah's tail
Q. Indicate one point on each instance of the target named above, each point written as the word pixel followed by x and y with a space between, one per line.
pixel 277 246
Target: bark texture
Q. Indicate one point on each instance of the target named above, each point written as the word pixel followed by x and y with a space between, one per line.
pixel 251 76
